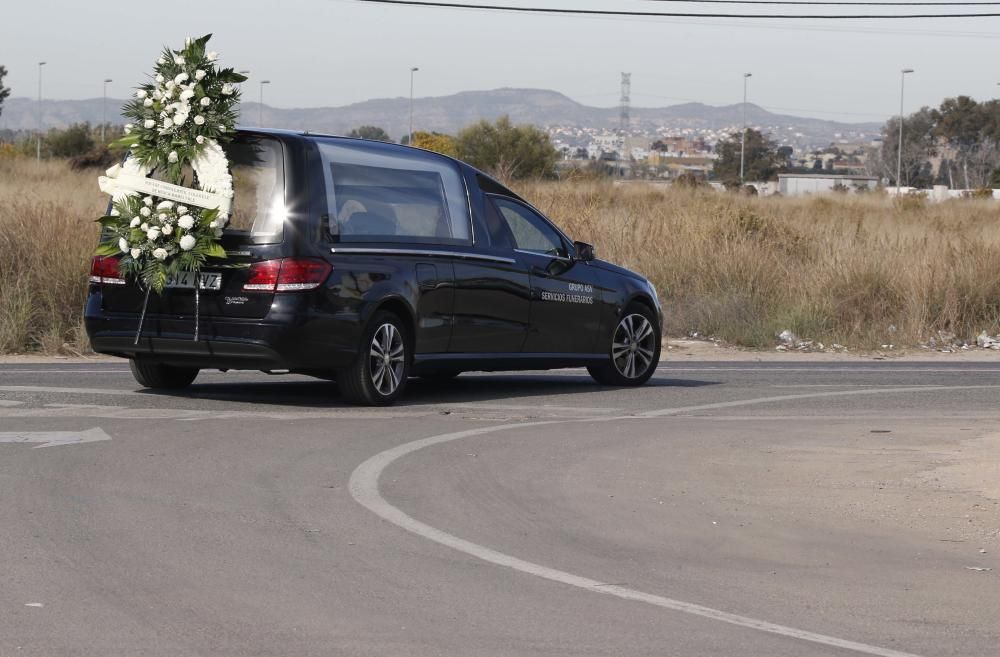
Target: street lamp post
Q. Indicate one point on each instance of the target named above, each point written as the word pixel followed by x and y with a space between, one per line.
pixel 260 109
pixel 104 109
pixel 743 135
pixel 899 146
pixel 38 119
pixel 412 71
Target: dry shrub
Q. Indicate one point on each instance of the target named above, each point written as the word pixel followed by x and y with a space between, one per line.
pixel 47 233
pixel 859 270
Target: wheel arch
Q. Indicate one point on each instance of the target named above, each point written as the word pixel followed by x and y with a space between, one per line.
pixel 399 307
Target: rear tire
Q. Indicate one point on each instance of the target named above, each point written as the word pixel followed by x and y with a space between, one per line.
pixel 379 372
pixel 634 351
pixel 160 376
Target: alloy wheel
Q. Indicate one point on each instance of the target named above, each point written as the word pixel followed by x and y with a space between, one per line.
pixel 633 346
pixel 386 359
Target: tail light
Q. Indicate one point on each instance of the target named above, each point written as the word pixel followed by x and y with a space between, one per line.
pixel 104 269
pixel 287 275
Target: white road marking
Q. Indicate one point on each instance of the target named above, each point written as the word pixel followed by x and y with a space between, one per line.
pixel 364 488
pixel 54 438
pixel 69 391
pixel 33 604
pixel 9 402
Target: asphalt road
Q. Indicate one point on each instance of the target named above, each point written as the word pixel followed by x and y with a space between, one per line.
pixel 726 509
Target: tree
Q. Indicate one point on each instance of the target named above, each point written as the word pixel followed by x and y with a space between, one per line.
pixel 761 158
pixel 369 132
pixel 506 150
pixel 435 141
pixel 71 142
pixel 4 91
pixel 919 145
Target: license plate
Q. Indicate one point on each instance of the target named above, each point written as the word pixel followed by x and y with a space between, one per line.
pixel 185 280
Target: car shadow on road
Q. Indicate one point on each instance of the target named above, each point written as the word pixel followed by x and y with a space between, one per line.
pixel 314 393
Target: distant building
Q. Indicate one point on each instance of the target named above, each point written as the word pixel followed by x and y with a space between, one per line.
pixel 799 184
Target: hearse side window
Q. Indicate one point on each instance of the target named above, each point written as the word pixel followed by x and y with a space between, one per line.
pixel 393 197
pixel 258 189
pixel 530 231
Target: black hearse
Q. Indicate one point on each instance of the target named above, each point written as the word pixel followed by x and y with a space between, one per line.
pixel 367 263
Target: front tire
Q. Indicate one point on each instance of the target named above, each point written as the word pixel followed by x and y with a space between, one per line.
pixel 160 376
pixel 634 351
pixel 380 369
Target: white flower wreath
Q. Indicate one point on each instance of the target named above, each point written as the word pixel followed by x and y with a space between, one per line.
pixel 151 227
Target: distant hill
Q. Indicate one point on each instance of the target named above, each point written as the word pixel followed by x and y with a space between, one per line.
pixel 449 113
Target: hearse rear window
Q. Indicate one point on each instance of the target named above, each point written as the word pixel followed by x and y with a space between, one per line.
pixel 398 197
pixel 259 189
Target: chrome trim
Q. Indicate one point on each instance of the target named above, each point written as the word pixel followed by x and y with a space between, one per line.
pixel 423 252
pixel 545 255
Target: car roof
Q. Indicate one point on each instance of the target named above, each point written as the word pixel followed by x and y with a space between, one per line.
pixel 495 185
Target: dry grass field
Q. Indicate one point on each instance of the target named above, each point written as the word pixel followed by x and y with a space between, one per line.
pixel 856 270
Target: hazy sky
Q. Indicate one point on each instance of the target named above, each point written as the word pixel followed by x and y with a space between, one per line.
pixel 334 52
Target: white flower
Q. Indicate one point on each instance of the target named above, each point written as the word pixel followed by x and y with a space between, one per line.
pixel 205 102
pixel 214 224
pixel 148 102
pixel 172 157
pixel 179 60
pixel 144 227
pixel 161 61
pixel 153 234
pixel 199 138
pixel 171 84
pixel 123 245
pixel 128 128
pixel 218 232
pixel 188 242
pixel 134 146
pixel 199 120
pixel 187 94
pixel 157 94
pixel 160 78
pixel 182 209
pixel 199 75
pixel 227 89
pixel 181 78
pixel 115 213
pixel 180 119
pixel 186 222
pixel 134 223
pixel 148 201
pixel 167 229
pixel 167 124
pixel 148 123
pixel 160 254
pixel 141 93
pixel 161 217
pixel 165 205
pixel 212 56
pixel 136 253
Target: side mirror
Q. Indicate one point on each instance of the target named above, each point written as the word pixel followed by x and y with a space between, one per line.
pixel 584 251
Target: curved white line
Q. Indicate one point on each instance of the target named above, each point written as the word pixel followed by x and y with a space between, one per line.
pixel 364 489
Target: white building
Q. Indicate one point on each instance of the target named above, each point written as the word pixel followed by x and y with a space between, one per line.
pixel 799 184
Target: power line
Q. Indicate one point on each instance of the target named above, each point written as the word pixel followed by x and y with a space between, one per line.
pixel 840 3
pixel 669 14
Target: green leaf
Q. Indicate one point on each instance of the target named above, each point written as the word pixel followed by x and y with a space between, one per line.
pixel 109 221
pixel 107 250
pixel 215 251
pixel 126 141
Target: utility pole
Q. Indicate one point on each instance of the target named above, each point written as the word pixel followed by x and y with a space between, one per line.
pixel 899 147
pixel 412 71
pixel 624 117
pixel 38 119
pixel 260 105
pixel 104 110
pixel 743 135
